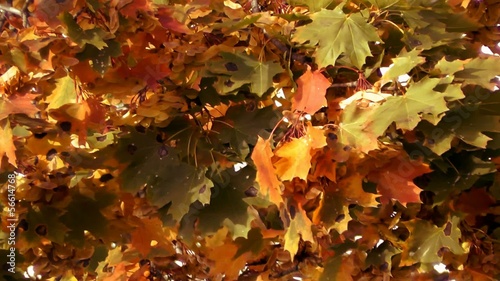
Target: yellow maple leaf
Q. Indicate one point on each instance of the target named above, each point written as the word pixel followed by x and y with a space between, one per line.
pixel 7 143
pixel 296 155
pixel 352 189
pixel 295 159
pixel 300 227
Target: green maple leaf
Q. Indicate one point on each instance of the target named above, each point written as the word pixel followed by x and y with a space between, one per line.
pixel 449 67
pixel 460 173
pixel 351 130
pixel 480 71
pixel 382 254
pixel 234 25
pixel 63 93
pixel 472 123
pixel 426 240
pixel 300 227
pixel 336 33
pixel 254 243
pixel 470 130
pixel 240 127
pixel 84 213
pixel 335 268
pixel 101 58
pixel 384 4
pixel 94 36
pixel 313 5
pixel 405 62
pixel 48 218
pixel 227 206
pixel 167 180
pixel 236 70
pixel 405 110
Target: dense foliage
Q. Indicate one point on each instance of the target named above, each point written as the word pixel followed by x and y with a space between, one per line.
pixel 250 140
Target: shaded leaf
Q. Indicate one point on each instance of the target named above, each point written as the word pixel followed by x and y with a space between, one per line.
pixel 395 180
pixel 426 240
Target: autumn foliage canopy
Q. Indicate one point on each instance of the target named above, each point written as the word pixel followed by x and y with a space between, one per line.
pixel 250 140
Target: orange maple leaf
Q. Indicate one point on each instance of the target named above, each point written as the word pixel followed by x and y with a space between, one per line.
pixel 224 263
pixel 395 180
pixel 18 104
pixel 295 159
pixel 149 232
pixel 325 165
pixel 130 9
pixel 7 146
pixel 266 174
pixel 311 90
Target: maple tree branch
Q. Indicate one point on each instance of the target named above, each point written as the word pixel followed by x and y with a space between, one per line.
pixel 342 85
pixel 25 13
pixel 10 10
pixel 285 49
pixel 255 6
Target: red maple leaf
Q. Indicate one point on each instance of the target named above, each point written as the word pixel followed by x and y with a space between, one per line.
pixel 395 180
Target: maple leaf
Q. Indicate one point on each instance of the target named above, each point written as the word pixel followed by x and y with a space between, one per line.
pixel 151 231
pixel 146 107
pixel 382 255
pixel 325 165
pixel 300 227
pixel 94 36
pixel 351 36
pixel 395 180
pixel 332 212
pixel 405 62
pixel 351 130
pixel 314 5
pixel 254 243
pixel 338 268
pixel 7 146
pixel 130 8
pixel 295 156
pixel 419 99
pixel 17 104
pixel 63 93
pixel 479 71
pixel 311 90
pixel 165 16
pixel 266 173
pixel 224 264
pixel 243 69
pixel 426 240
pixel 159 169
pixel 9 78
pixel 47 217
pixel 351 188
